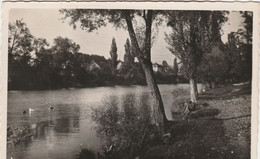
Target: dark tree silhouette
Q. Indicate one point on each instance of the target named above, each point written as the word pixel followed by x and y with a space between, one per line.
pixel 129 54
pixel 20 47
pixel 113 55
pixel 245 46
pixel 175 66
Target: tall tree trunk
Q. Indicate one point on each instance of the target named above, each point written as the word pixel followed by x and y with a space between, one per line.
pixel 193 94
pixel 144 56
pixel 158 108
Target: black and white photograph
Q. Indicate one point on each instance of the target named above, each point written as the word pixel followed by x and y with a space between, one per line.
pixel 131 82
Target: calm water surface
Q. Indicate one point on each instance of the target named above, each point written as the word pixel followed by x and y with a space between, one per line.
pixel 61 132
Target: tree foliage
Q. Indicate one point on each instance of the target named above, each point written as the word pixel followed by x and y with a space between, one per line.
pixel 232 61
pixel 213 67
pixel 129 53
pixel 113 55
pixel 20 42
pixel 60 65
pixel 246 46
pixel 193 34
pixel 239 51
pixel 191 37
pixel 19 37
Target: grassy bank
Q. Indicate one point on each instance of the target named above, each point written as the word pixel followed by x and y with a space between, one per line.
pixel 226 135
pixel 219 127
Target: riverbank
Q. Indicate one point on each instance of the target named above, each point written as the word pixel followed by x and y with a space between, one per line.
pixel 100 82
pixel 91 85
pixel 226 135
pixel 190 137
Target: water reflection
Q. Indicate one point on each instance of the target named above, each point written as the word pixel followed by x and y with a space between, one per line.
pixel 59 120
pixel 125 131
pixel 60 132
pixel 61 123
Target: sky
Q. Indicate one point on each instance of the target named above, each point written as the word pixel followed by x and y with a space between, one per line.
pixel 47 23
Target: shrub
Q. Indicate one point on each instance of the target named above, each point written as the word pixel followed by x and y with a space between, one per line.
pixel 127 132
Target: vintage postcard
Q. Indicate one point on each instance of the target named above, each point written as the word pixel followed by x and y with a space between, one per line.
pixel 129 80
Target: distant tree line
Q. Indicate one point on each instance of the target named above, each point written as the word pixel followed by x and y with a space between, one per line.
pixel 34 64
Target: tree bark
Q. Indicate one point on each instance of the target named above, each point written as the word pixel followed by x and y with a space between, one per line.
pixel 144 56
pixel 158 108
pixel 193 94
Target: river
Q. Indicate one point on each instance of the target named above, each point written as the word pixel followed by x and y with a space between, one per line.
pixel 61 132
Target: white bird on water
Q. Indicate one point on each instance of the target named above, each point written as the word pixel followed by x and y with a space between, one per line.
pixel 30 110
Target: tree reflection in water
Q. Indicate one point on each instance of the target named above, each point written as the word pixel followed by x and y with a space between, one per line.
pixel 126 130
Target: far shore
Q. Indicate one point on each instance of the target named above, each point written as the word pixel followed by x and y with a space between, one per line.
pixel 86 86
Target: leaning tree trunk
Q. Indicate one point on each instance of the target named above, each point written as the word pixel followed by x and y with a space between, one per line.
pixel 193 94
pixel 158 108
pixel 144 57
